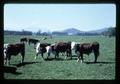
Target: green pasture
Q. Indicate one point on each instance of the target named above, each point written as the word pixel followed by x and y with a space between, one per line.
pixel 62 68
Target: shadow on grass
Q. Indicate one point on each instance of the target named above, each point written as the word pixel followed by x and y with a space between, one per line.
pixel 24 63
pixel 12 70
pixel 74 57
pixel 56 59
pixel 100 62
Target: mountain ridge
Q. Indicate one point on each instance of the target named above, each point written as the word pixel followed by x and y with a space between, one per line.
pixel 75 31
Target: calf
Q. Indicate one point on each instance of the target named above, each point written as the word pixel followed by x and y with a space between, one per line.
pixel 41 49
pixel 14 49
pixel 87 48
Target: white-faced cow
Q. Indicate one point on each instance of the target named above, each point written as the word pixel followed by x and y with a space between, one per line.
pixel 41 49
pixel 13 49
pixel 87 48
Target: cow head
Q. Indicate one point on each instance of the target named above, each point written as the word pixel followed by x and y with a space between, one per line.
pixel 76 46
pixel 73 45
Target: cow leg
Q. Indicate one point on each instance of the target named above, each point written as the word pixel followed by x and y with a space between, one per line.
pixel 36 56
pixel 70 54
pixel 48 55
pixel 29 43
pixel 22 56
pixel 42 56
pixel 66 55
pixel 81 55
pixel 5 61
pixel 34 45
pixel 78 54
pixel 56 55
pixel 96 56
pixel 8 60
pixel 78 59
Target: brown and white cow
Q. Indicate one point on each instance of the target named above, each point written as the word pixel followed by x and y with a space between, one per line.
pixel 41 49
pixel 60 47
pixel 13 49
pixel 87 48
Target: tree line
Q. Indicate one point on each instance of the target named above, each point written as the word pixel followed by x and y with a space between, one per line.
pixel 110 32
pixel 8 32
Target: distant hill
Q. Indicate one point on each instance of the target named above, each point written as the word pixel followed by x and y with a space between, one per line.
pixel 69 31
pixel 72 31
pixel 98 31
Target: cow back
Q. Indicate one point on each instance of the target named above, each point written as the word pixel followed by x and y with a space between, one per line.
pixel 62 47
pixel 14 49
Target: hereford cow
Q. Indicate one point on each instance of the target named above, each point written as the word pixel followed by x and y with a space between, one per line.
pixel 14 49
pixel 61 47
pixel 87 48
pixel 33 41
pixel 41 49
pixel 24 39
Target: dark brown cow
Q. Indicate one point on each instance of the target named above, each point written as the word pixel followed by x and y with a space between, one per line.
pixel 62 47
pixel 33 41
pixel 14 49
pixel 23 39
pixel 41 48
pixel 87 48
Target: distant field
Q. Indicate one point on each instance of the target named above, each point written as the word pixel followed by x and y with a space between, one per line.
pixel 65 69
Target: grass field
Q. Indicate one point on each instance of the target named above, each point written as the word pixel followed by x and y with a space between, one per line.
pixel 65 69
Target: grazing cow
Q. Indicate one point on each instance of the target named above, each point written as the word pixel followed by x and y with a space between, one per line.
pixel 14 49
pixel 41 49
pixel 61 47
pixel 23 39
pixel 34 41
pixel 87 48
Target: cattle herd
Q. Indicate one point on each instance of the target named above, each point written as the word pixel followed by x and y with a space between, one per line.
pixel 55 49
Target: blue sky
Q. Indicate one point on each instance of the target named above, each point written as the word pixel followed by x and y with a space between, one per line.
pixel 57 17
